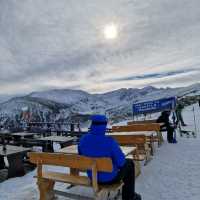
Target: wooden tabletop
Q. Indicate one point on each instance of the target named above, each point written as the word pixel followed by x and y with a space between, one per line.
pixel 56 139
pixel 5 132
pixel 73 149
pixel 23 134
pixel 146 133
pixel 10 150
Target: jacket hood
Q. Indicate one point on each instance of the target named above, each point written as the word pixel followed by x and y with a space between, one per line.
pixel 99 124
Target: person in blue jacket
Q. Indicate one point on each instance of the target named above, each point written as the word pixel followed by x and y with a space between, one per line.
pixel 96 144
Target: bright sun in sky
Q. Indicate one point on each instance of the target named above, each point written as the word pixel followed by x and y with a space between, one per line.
pixel 110 31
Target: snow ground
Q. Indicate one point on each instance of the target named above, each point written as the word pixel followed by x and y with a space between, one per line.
pixel 172 174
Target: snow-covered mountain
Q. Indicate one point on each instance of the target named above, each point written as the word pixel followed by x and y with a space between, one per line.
pixel 66 104
pixel 5 97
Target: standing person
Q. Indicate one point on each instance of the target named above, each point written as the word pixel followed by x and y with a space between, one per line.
pixel 199 103
pixel 164 118
pixel 179 109
pixel 97 144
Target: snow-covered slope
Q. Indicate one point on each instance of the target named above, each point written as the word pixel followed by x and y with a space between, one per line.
pixel 4 98
pixel 172 174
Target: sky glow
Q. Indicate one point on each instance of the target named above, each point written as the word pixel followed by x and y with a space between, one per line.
pixel 110 32
pixel 98 46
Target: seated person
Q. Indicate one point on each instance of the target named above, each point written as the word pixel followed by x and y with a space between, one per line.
pixel 164 118
pixel 97 144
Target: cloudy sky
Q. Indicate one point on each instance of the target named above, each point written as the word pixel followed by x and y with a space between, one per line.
pixel 48 44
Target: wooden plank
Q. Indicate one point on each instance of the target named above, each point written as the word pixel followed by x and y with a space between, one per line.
pixel 72 161
pixel 137 127
pixel 72 196
pixel 11 150
pixel 142 122
pixel 72 149
pixel 130 139
pixel 146 133
pixel 24 134
pixel 56 139
pixel 128 150
pixel 94 178
pixel 66 178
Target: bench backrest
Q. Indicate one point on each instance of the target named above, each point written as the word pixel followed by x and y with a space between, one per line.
pixel 137 127
pixel 75 162
pixel 130 139
pixel 72 161
pixel 142 122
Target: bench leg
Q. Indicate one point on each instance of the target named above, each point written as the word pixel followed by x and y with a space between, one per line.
pixel 137 168
pixel 152 146
pixel 160 138
pixel 102 195
pixel 147 155
pixel 46 189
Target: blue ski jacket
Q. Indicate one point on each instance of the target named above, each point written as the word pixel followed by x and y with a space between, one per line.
pixel 96 144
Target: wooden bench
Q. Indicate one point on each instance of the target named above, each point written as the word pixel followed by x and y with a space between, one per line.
pixel 154 127
pixel 46 179
pixel 143 152
pixel 128 151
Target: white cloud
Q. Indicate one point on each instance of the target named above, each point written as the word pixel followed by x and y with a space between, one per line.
pixel 47 43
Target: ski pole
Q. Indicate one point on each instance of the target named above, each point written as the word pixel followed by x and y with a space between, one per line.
pixel 195 126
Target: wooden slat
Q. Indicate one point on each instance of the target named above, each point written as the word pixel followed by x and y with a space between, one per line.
pixel 137 127
pixel 66 178
pixel 72 196
pixel 72 161
pixel 130 139
pixel 142 122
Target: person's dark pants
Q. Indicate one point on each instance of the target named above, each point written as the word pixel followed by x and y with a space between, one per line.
pixel 127 174
pixel 170 132
pixel 180 118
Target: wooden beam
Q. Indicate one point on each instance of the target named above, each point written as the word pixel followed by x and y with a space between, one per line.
pixel 72 161
pixel 137 127
pixel 142 122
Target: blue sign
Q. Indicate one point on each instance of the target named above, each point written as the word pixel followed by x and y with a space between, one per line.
pixel 154 106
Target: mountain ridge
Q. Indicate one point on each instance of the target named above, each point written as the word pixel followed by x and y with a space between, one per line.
pixel 61 105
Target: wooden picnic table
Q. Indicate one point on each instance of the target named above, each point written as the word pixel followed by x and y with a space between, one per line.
pixel 62 140
pixel 73 149
pixel 5 136
pixel 152 137
pixel 146 127
pixel 15 156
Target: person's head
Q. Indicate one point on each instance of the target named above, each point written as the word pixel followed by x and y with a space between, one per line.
pixel 99 124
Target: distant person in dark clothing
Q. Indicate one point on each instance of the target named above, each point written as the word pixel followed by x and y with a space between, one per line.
pixel 164 118
pixel 199 102
pixel 97 144
pixel 179 109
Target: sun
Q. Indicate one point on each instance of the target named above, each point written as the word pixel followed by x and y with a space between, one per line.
pixel 110 31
